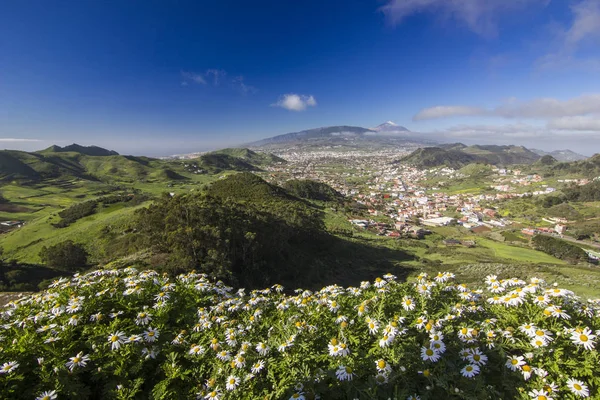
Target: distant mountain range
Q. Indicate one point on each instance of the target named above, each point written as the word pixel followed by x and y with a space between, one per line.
pixel 96 163
pixel 561 155
pixel 458 155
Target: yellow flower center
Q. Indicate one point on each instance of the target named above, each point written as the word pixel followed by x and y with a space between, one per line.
pixel 381 364
pixel 429 352
pixel 348 370
pixel 114 339
pixel 577 386
pixel 539 333
pixel 469 368
pixel 514 362
pixel 76 360
pixel 526 368
pixel 583 338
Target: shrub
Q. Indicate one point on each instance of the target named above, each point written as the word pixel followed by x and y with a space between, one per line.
pixel 67 255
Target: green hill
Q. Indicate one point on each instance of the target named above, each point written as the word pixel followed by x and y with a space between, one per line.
pixel 107 167
pixel 589 167
pixel 216 162
pixel 430 157
pixel 12 167
pixel 251 156
pixel 247 187
pixel 312 190
pixel 458 155
pixel 76 148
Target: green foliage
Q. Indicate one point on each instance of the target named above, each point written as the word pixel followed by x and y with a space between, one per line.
pixel 312 190
pixel 216 162
pixel 66 255
pixel 250 156
pixel 584 193
pixel 559 248
pixel 76 212
pixel 547 160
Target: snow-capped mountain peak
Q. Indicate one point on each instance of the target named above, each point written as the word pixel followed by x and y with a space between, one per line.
pixel 390 127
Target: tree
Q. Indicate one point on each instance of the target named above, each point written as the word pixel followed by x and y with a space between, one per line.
pixel 67 255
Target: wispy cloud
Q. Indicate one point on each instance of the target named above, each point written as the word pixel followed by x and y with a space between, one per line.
pixel 216 77
pixel 295 102
pixel 567 40
pixel 542 108
pixel 447 111
pixel 238 82
pixel 17 140
pixel 480 16
pixel 579 123
pixel 192 77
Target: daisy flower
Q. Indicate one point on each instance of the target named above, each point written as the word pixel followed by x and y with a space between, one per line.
pixel 470 371
pixel 80 360
pixel 383 366
pixel 116 340
pixel 232 382
pixel 540 395
pixel 515 363
pixel 150 335
pixel 408 304
pixel 47 395
pixel 258 366
pixel 477 357
pixel 344 373
pixel 381 378
pixel 196 350
pixel 262 349
pixel 429 354
pixel 143 318
pixel 214 395
pixel 578 387
pixel 584 338
pixel 8 367
pixel 298 396
pixel 373 326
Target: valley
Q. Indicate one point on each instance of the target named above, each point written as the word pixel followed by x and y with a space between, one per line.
pixel 398 209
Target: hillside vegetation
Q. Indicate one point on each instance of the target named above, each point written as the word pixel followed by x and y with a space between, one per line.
pixel 253 157
pixel 312 190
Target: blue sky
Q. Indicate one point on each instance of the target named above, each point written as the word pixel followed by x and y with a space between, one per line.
pixel 164 77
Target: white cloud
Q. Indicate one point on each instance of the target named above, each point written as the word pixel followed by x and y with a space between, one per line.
pixel 479 15
pixel 578 123
pixel 295 102
pixel 542 108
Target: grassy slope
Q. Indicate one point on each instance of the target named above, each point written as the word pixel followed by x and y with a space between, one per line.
pixel 25 244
